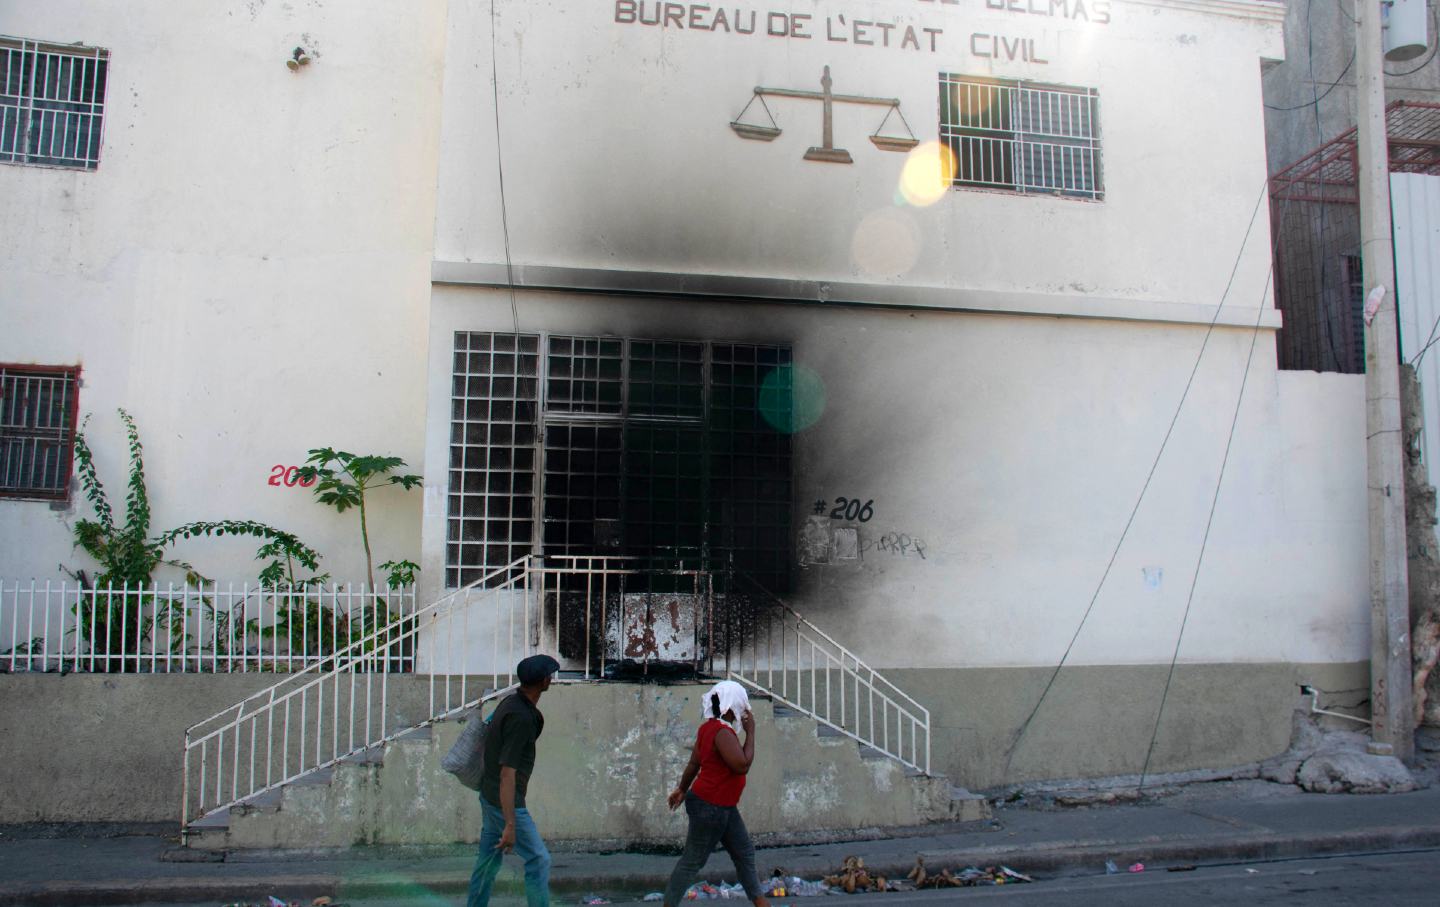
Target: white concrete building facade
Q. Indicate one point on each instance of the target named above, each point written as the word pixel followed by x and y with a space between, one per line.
pixel 955 360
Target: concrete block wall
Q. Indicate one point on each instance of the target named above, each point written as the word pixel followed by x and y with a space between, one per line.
pixel 103 748
pixel 608 756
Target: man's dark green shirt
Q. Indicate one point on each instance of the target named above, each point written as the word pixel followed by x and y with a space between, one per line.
pixel 510 741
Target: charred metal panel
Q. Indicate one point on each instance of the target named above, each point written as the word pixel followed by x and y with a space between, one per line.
pixel 657 627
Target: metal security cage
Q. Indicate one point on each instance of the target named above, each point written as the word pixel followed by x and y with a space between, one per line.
pixel 1315 226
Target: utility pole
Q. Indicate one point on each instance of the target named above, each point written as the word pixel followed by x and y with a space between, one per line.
pixel 1391 698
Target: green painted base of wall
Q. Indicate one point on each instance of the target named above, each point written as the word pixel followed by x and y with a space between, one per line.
pixel 1098 721
pixel 107 748
pixel 103 748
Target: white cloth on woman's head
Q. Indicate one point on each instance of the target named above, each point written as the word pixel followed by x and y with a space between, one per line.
pixel 733 698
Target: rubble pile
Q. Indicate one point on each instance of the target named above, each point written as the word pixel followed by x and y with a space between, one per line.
pixel 1335 762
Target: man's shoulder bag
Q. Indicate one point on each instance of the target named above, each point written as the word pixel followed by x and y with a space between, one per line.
pixel 466 759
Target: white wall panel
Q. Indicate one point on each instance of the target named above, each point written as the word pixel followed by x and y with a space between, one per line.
pixel 1415 209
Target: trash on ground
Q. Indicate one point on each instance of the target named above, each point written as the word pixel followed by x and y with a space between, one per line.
pixel 1185 868
pixel 704 891
pixel 968 877
pixel 853 877
pixel 1253 871
pixel 654 896
pixel 781 885
pixel 593 899
pixel 1137 867
pixel 1110 868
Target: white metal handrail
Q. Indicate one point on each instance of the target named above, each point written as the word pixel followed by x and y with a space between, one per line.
pixel 187 628
pixel 782 654
pixel 299 701
pixel 344 704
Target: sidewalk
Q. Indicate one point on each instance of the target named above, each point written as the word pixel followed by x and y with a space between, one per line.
pixel 1202 824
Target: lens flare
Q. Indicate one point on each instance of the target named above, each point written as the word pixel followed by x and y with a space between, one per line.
pixel 792 398
pixel 929 168
pixel 887 243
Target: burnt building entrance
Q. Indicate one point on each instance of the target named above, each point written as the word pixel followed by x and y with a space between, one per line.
pixel 673 453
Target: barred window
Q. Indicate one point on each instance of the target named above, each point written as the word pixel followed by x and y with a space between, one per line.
pixel 654 449
pixel 52 103
pixel 1022 137
pixel 37 431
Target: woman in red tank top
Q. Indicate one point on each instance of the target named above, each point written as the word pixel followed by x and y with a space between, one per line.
pixel 710 788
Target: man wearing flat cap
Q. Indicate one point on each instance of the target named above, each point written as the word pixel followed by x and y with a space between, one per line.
pixel 509 760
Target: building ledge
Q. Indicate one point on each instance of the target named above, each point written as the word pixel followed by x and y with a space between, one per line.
pixel 768 289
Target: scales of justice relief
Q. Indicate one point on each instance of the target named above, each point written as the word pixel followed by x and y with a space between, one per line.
pixel 826 150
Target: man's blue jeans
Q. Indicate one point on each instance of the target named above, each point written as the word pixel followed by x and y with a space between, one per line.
pixel 527 844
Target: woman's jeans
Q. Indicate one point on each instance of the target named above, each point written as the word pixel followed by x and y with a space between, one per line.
pixel 527 844
pixel 711 825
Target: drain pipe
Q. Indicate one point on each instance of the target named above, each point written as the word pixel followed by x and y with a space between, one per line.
pixel 1315 709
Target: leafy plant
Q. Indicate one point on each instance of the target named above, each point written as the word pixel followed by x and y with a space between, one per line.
pixel 344 479
pixel 400 573
pixel 279 573
pixel 128 554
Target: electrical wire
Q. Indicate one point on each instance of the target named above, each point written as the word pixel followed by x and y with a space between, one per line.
pixel 1209 522
pixel 1434 49
pixel 1328 323
pixel 1429 342
pixel 1333 85
pixel 500 172
pixel 1328 326
pixel 1214 503
pixel 1165 441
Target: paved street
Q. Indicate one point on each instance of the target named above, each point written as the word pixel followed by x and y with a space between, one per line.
pixel 1229 828
pixel 1408 878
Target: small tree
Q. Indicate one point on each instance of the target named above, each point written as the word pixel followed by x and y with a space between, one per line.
pixel 343 481
pixel 128 555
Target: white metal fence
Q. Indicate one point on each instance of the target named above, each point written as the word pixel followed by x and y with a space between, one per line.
pixel 586 612
pixel 467 645
pixel 776 651
pixel 211 628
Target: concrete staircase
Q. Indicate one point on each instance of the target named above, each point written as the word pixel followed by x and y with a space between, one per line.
pixel 609 754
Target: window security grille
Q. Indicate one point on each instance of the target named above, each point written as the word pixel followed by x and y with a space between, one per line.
pixel 1022 136
pixel 37 431
pixel 52 102
pixel 494 427
pixel 654 449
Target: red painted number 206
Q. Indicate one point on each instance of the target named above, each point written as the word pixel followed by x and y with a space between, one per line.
pixel 286 475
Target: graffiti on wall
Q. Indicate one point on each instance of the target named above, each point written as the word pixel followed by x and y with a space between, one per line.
pixel 898 544
pixel 823 542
